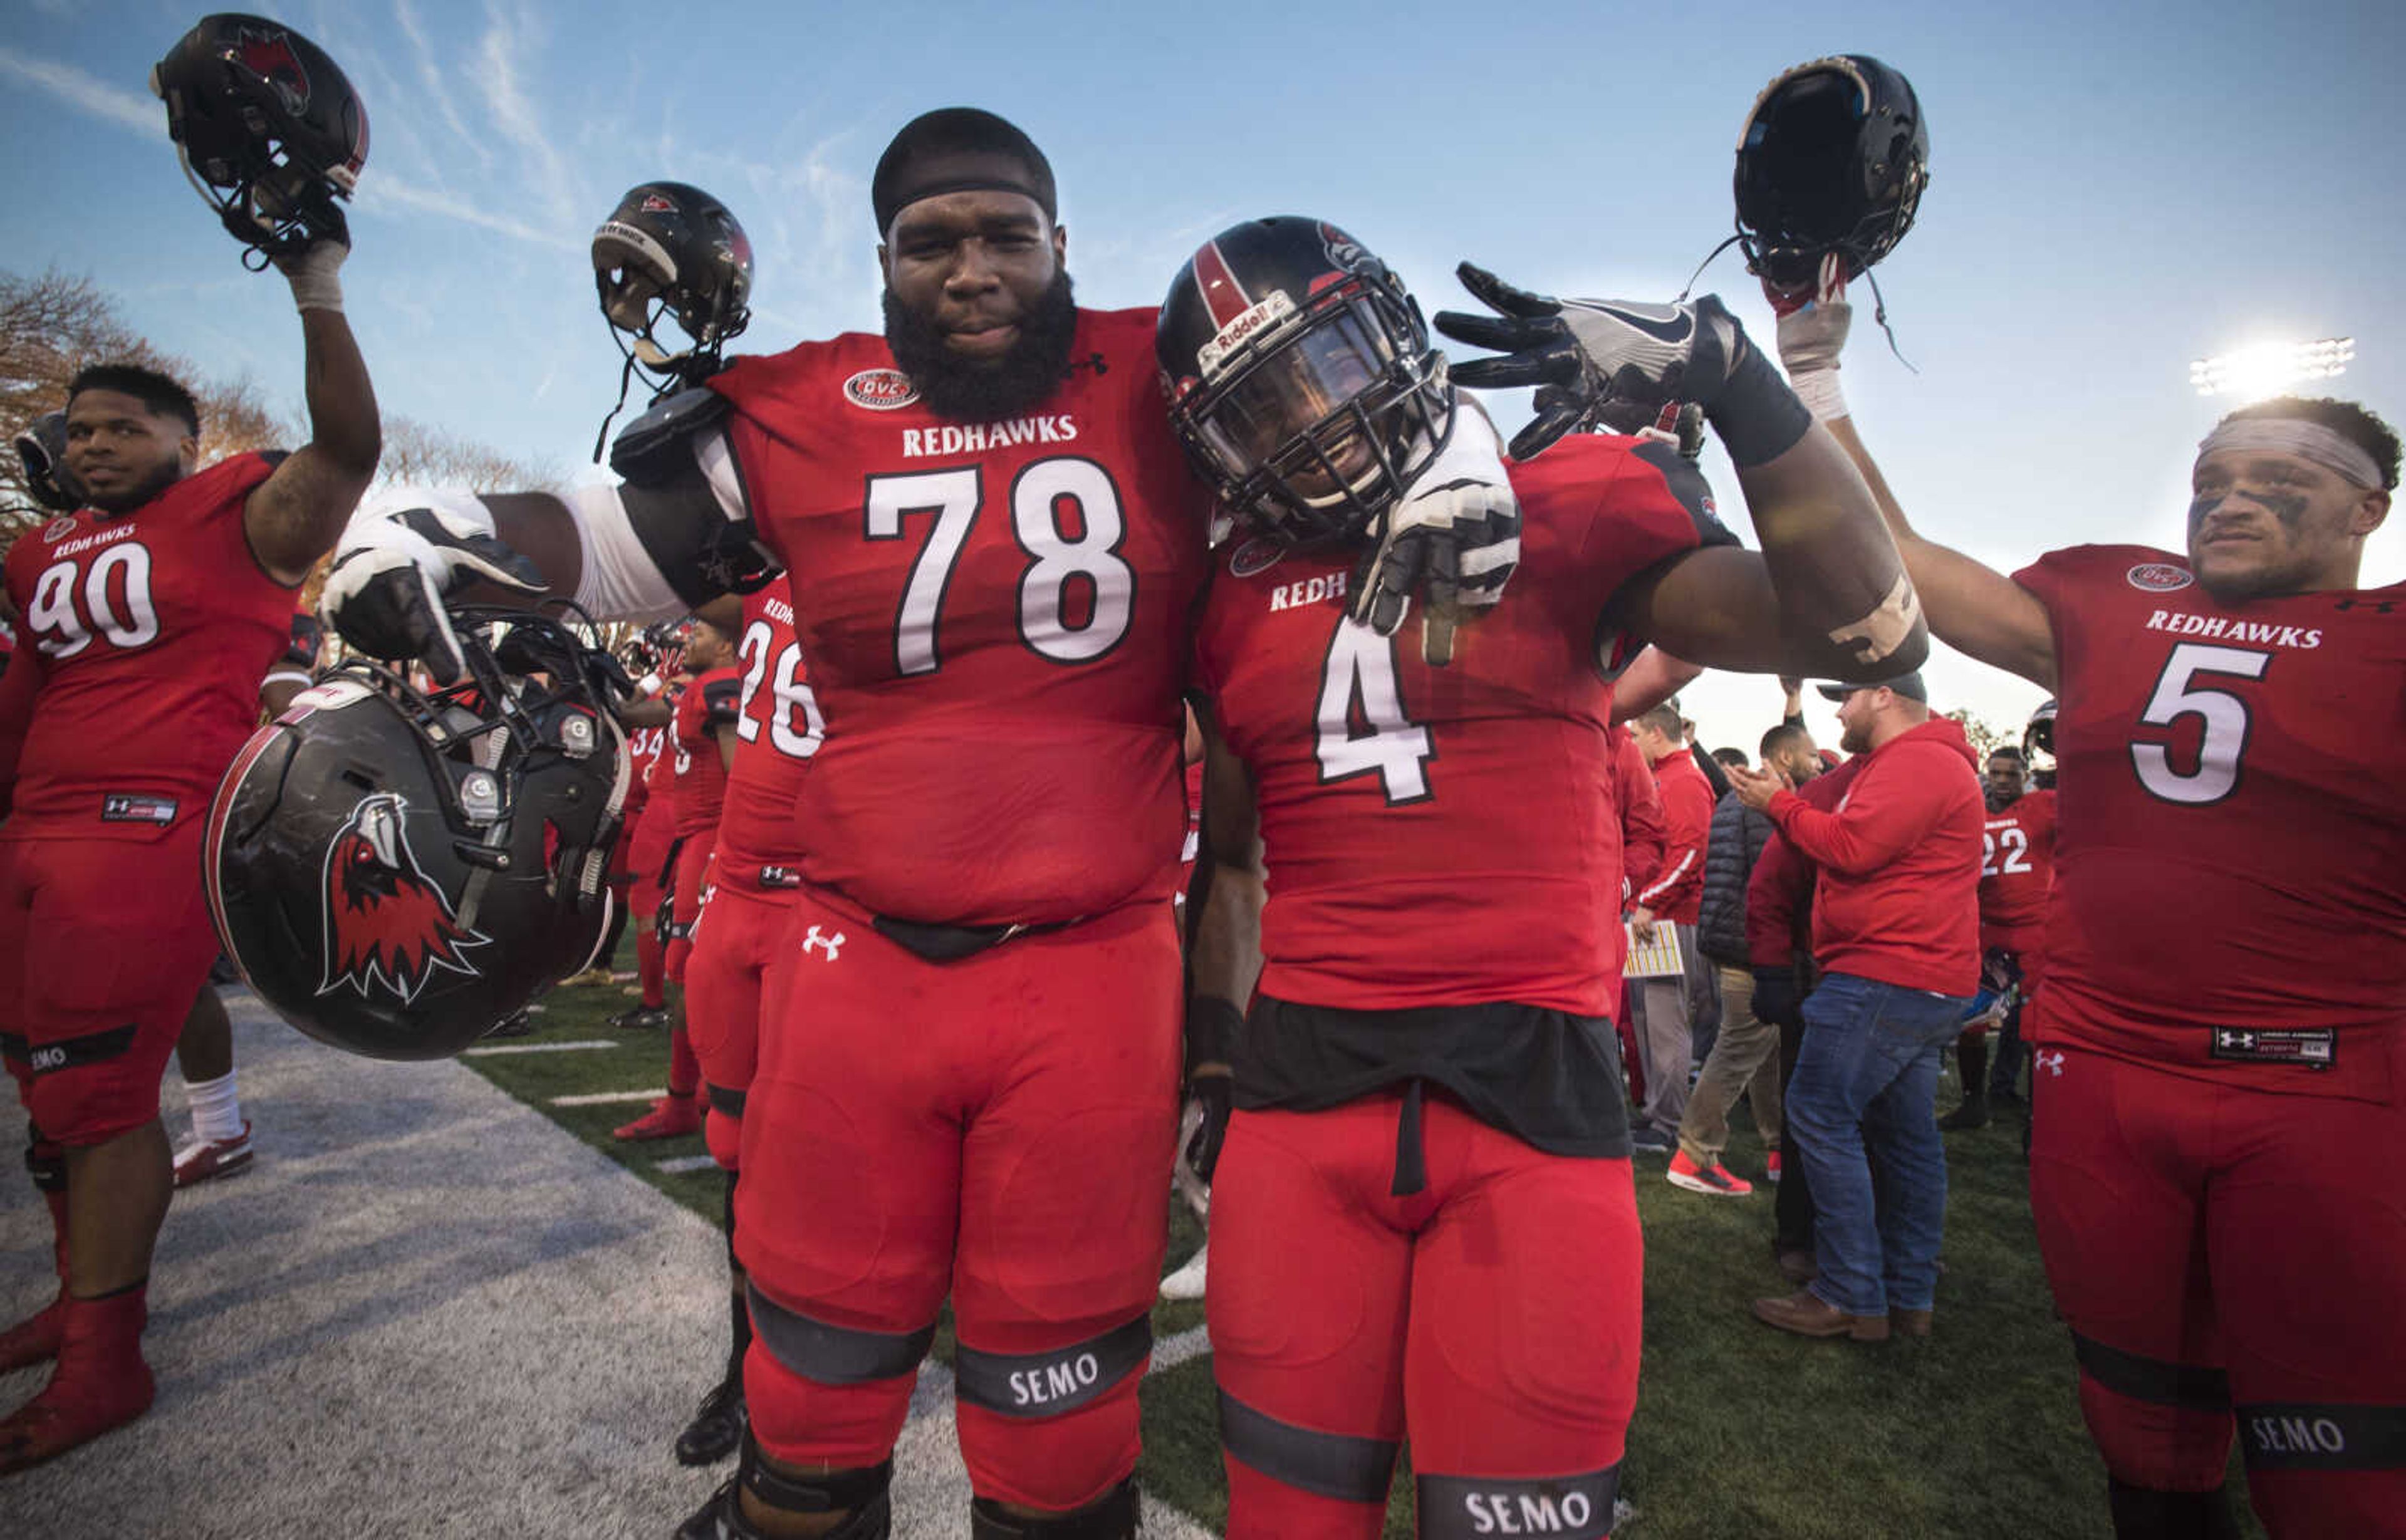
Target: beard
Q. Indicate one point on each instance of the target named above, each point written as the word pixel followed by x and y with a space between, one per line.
pixel 1010 384
pixel 133 497
pixel 1856 739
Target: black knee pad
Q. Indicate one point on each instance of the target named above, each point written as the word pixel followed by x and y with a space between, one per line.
pixel 2143 1513
pixel 861 1494
pixel 1111 1517
pixel 46 1162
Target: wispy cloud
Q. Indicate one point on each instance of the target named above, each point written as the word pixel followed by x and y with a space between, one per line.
pixel 129 109
pixel 498 74
pixel 431 78
pixel 144 115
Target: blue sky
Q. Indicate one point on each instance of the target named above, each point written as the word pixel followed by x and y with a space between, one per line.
pixel 2116 190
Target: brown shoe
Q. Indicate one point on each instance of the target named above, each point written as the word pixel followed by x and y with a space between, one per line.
pixel 1807 1314
pixel 1909 1323
pixel 1799 1267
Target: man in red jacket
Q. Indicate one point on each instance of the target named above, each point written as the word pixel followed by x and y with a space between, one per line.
pixel 1666 1036
pixel 1896 932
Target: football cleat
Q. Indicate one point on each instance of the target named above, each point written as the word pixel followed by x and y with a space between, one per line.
pixel 672 1117
pixel 208 1159
pixel 1187 1282
pixel 643 1018
pixel 717 1425
pixel 1713 1179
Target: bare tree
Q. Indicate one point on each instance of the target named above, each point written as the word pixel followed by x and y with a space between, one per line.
pixel 1986 740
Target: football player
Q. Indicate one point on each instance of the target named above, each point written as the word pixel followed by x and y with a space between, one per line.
pixel 149 614
pixel 1424 1084
pixel 2220 1038
pixel 993 544
pixel 2016 869
pixel 648 847
pixel 701 746
pixel 740 956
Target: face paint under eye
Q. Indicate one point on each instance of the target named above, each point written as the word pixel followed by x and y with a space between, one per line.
pixel 2288 507
pixel 2202 507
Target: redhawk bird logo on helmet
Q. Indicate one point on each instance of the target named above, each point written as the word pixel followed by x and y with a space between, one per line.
pixel 386 926
pixel 270 54
pixel 658 203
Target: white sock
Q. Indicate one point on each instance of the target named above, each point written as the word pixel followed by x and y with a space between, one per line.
pixel 216 1107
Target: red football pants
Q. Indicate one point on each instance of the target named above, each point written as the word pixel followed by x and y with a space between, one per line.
pixel 2220 1251
pixel 1001 1125
pixel 646 852
pixel 739 956
pixel 1494 1315
pixel 103 945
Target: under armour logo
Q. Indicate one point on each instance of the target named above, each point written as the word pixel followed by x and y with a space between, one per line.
pixel 2051 1063
pixel 831 942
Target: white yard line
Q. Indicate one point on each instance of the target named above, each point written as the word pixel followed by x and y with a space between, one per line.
pixel 602 1098
pixel 493 1049
pixel 682 1163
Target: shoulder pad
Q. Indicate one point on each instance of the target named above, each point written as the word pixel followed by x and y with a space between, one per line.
pixel 656 445
pixel 722 700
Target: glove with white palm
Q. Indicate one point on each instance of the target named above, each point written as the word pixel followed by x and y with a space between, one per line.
pixel 1596 351
pixel 1453 538
pixel 395 568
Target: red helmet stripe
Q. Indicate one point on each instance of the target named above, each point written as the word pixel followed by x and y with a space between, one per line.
pixel 1223 295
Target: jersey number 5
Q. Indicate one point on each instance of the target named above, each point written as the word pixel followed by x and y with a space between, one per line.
pixel 115 594
pixel 1038 498
pixel 1362 667
pixel 2224 716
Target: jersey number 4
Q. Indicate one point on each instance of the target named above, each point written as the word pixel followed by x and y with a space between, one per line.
pixel 113 601
pixel 2216 775
pixel 796 702
pixel 1038 497
pixel 1361 667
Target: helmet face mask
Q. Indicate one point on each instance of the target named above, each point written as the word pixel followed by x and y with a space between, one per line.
pixel 671 251
pixel 1313 407
pixel 270 131
pixel 396 872
pixel 2038 746
pixel 1833 159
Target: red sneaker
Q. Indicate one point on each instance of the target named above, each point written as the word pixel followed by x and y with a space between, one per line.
pixel 36 1339
pixel 671 1116
pixel 1714 1179
pixel 212 1158
pixel 1771 1168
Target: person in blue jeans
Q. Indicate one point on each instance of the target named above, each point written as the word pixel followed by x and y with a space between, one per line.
pixel 1896 933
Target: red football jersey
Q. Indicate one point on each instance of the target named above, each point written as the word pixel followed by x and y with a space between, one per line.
pixel 1444 836
pixel 781 728
pixel 2016 864
pixel 708 703
pixel 2230 852
pixel 152 630
pixel 645 746
pixel 995 616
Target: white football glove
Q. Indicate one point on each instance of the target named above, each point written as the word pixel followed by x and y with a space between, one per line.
pixel 394 568
pixel 1454 537
pixel 1812 333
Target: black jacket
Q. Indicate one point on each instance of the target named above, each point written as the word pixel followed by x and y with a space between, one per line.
pixel 1738 836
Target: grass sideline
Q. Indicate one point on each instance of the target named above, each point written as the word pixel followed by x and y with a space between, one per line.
pixel 1740 1430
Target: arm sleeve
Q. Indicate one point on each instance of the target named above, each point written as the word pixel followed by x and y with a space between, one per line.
pixel 722 700
pixel 1716 776
pixel 1641 813
pixel 621 581
pixel 1688 817
pixel 1775 893
pixel 1885 815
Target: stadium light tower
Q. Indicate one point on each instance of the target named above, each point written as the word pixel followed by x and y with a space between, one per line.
pixel 2266 369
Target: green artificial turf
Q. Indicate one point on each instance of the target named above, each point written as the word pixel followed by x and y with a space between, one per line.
pixel 1740 1430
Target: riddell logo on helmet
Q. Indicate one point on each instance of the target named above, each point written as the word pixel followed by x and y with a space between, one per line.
pixel 1253 322
pixel 2160 577
pixel 270 54
pixel 881 390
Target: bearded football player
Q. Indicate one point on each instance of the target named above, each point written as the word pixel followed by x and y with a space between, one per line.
pixel 1426 1081
pixel 150 614
pixel 993 544
pixel 2220 1037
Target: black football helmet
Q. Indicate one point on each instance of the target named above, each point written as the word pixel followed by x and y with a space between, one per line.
pixel 1300 378
pixel 42 451
pixel 2038 745
pixel 396 873
pixel 1834 157
pixel 674 249
pixel 270 131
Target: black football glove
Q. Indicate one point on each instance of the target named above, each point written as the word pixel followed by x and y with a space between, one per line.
pixel 1202 1128
pixel 392 572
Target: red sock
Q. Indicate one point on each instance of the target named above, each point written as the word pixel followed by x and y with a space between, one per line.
pixel 685 1070
pixel 36 1339
pixel 652 966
